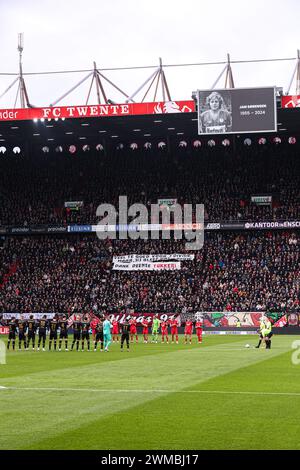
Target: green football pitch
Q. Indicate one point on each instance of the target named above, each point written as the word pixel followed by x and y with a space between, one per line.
pixel 217 395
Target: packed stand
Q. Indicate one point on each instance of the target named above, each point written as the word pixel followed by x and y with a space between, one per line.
pixel 34 188
pixel 233 271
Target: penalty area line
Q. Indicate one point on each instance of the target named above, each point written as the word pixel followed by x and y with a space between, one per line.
pixel 105 390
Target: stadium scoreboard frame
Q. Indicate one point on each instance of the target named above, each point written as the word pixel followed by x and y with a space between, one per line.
pixel 240 110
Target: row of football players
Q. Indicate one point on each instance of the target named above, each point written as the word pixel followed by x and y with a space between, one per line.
pixel 82 326
pixel 163 327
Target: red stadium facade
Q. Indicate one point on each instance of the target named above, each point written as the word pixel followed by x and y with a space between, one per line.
pixel 94 111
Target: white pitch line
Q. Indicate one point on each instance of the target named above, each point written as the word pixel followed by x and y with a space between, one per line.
pixel 98 390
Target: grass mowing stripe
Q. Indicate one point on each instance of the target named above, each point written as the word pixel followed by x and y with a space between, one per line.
pixel 29 362
pixel 168 391
pixel 158 371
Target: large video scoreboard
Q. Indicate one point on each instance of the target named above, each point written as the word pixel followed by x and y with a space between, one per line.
pixel 236 110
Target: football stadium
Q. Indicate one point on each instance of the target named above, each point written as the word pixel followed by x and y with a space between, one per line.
pixel 149 269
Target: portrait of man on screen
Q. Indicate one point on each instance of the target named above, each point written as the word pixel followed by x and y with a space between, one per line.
pixel 215 115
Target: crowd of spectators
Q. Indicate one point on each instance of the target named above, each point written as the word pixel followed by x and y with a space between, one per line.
pixel 35 187
pixel 71 273
pixel 234 271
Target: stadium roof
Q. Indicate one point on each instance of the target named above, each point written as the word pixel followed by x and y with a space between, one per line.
pixel 127 128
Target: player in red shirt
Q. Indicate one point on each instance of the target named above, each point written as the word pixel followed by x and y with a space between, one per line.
pixel 133 331
pixel 93 325
pixel 164 331
pixel 115 331
pixel 199 327
pixel 188 330
pixel 174 329
pixel 145 326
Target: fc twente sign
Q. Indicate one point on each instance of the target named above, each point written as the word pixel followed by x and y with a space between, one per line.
pixel 94 111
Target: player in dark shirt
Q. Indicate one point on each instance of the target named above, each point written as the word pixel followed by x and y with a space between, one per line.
pixel 63 325
pixel 12 326
pixel 53 326
pixel 22 325
pixel 99 335
pixel 125 328
pixel 43 324
pixel 85 332
pixel 76 331
pixel 31 325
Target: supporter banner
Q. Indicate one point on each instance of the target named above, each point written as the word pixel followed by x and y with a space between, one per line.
pixel 293 319
pixel 146 258
pixel 215 320
pixel 290 101
pixel 37 316
pixel 72 317
pixel 237 319
pixel 114 316
pixel 219 319
pixel 279 322
pixel 93 111
pixel 167 202
pixel 237 110
pixel 139 317
pixel 4 330
pixel 151 266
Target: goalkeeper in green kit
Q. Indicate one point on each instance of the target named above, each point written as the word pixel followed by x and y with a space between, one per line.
pixel 155 328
